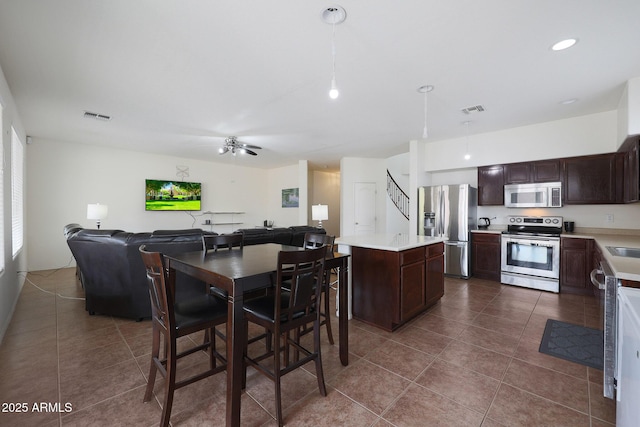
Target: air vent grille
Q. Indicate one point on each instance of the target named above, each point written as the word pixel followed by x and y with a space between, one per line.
pixel 473 109
pixel 90 115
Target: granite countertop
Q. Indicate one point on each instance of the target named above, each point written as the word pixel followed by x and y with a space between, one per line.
pixel 388 242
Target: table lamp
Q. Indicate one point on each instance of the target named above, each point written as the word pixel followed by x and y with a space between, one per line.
pixel 97 211
pixel 319 213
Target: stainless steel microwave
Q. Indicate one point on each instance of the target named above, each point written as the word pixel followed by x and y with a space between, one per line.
pixel 538 195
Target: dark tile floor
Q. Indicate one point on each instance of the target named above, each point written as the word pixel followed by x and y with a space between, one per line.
pixel 471 360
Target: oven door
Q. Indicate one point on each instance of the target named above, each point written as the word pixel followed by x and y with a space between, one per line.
pixel 534 256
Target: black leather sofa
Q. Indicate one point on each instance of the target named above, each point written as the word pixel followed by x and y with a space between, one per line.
pixel 113 275
pixel 112 272
pixel 285 236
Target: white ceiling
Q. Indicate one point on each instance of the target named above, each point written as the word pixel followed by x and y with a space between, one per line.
pixel 178 76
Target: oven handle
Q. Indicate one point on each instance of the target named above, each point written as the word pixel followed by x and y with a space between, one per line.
pixel 594 279
pixel 541 243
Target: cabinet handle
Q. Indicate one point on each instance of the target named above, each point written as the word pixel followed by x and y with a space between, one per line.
pixel 594 279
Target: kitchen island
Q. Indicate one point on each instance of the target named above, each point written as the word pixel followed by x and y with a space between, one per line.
pixel 393 277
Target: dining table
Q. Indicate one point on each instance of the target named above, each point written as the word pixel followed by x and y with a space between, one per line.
pixel 238 272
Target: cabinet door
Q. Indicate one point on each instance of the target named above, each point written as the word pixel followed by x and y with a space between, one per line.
pixel 546 171
pixel 576 257
pixel 412 294
pixel 632 174
pixel 491 185
pixel 435 274
pixel 485 256
pixel 590 179
pixel 517 173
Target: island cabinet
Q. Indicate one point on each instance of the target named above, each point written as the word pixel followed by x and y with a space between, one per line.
pixel 485 256
pixel 391 287
pixel 576 262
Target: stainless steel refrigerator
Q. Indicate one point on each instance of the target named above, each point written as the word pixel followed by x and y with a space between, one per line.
pixel 449 211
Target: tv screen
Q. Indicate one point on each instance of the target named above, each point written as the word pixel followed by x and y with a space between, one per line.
pixel 164 195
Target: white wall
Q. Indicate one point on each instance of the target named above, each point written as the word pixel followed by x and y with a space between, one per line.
pixel 294 176
pixel 591 134
pixel 12 277
pixel 352 171
pixel 326 191
pixel 629 111
pixel 398 167
pixel 63 178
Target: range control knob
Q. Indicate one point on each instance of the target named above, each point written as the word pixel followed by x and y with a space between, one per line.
pixel 556 220
pixel 518 219
pixel 512 220
pixel 547 221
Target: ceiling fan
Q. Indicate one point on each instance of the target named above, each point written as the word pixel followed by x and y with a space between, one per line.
pixel 231 144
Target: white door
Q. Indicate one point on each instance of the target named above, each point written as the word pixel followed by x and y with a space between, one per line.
pixel 365 208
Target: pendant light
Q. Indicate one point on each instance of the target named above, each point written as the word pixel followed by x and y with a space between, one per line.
pixel 333 15
pixel 425 90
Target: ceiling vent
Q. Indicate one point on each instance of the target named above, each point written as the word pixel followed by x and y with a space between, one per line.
pixel 473 109
pixel 90 115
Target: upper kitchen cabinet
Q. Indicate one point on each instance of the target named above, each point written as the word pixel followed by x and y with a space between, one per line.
pixel 630 150
pixel 593 179
pixel 491 185
pixel 546 171
pixel 517 173
pixel 529 172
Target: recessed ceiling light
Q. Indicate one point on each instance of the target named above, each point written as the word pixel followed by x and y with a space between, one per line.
pixel 569 101
pixel 564 44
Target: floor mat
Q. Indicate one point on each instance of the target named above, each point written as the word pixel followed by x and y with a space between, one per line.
pixel 573 343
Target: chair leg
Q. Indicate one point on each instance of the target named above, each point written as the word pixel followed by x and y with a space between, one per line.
pixel 276 380
pixel 155 354
pixel 327 315
pixel 169 385
pixel 212 347
pixel 318 359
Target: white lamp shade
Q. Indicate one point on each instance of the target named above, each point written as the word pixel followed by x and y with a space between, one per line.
pixel 319 212
pixel 97 211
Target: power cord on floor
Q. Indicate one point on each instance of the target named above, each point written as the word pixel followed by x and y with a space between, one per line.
pixel 25 273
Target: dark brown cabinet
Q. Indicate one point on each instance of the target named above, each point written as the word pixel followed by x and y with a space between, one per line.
pixel 491 185
pixel 531 172
pixel 517 173
pixel 485 256
pixel 631 171
pixel 434 274
pixel 576 263
pixel 592 179
pixel 412 283
pixel 389 288
pixel 546 171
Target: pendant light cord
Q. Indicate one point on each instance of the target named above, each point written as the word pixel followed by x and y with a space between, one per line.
pixel 425 134
pixel 333 51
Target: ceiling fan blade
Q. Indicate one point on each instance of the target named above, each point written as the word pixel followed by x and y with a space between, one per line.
pixel 253 153
pixel 253 147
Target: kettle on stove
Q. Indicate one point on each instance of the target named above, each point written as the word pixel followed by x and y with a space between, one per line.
pixel 483 223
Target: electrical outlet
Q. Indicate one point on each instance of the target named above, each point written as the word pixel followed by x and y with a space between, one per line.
pixel 609 218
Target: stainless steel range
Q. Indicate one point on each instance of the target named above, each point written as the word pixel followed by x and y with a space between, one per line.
pixel 531 252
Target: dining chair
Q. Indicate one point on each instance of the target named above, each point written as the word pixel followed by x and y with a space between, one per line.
pixel 284 311
pixel 216 242
pixel 315 240
pixel 171 321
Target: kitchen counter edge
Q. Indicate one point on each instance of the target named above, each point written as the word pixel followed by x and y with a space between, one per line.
pixel 388 242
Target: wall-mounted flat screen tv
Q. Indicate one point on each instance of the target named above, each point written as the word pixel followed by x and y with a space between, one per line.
pixel 163 195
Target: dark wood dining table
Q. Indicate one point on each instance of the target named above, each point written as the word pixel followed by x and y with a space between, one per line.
pixel 245 270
